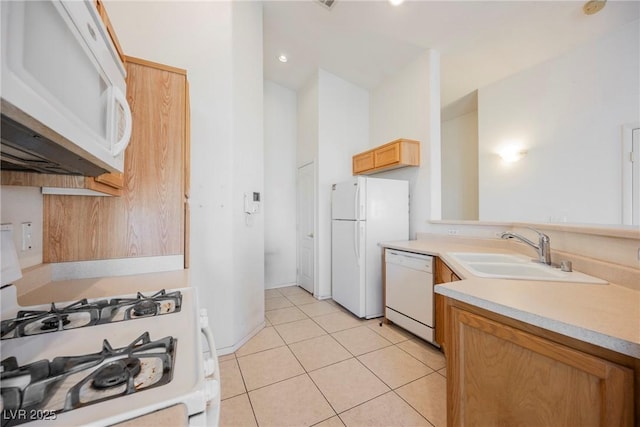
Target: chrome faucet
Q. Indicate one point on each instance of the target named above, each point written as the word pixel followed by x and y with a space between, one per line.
pixel 543 247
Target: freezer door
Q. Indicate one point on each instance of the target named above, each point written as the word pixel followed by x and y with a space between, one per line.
pixel 347 265
pixel 348 199
pixel 387 201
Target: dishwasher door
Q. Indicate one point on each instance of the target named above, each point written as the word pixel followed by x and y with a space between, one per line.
pixel 409 292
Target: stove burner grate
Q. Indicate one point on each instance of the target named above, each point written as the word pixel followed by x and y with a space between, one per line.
pixel 116 373
pixel 146 307
pixel 109 374
pixel 54 322
pixel 161 302
pixel 31 322
pixel 83 313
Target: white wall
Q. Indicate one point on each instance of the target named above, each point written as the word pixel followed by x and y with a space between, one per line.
pixel 343 130
pixel 333 125
pixel 18 205
pixel 248 166
pixel 568 114
pixel 307 109
pixel 407 105
pixel 220 45
pixel 460 167
pixel 280 122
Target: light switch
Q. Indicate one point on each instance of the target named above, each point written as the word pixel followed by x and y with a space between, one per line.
pixel 27 228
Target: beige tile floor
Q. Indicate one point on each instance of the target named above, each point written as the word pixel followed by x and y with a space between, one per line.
pixel 315 364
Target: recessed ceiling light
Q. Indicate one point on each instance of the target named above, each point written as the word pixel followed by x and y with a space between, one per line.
pixel 396 2
pixel 283 58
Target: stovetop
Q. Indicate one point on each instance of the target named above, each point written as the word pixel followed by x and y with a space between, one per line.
pixel 106 364
pixel 41 390
pixel 86 313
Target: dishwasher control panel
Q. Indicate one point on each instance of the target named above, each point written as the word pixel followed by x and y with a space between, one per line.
pixel 410 260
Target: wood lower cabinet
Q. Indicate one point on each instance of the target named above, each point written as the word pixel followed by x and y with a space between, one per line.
pixel 395 154
pixel 442 274
pixel 501 375
pixel 149 218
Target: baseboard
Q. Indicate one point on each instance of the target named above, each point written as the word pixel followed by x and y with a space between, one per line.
pixel 232 349
pixel 284 285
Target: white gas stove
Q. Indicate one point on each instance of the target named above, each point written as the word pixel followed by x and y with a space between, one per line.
pixel 100 362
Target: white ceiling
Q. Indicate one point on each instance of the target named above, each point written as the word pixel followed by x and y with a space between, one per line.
pixel 479 41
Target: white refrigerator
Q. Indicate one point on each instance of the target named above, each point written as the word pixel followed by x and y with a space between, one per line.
pixel 364 212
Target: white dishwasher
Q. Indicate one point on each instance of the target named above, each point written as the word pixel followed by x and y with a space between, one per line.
pixel 409 292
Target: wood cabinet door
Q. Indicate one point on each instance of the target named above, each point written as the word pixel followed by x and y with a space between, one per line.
pixel 395 154
pixel 442 274
pixel 387 155
pixel 115 180
pixel 148 219
pixel 362 162
pixel 502 376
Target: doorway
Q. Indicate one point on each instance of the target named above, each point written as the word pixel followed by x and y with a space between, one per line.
pixel 306 226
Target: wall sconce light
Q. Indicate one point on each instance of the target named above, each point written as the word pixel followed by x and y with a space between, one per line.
pixel 512 154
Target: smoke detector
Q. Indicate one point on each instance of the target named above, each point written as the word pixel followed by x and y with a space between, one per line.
pixel 326 3
pixel 593 6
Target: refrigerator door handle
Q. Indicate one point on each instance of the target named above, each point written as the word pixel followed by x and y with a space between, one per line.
pixel 356 241
pixel 356 204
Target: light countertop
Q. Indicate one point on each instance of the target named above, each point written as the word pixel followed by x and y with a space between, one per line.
pixel 72 290
pixel 604 315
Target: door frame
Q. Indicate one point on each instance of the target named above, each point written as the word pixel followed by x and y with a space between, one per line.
pixel 627 173
pixel 315 226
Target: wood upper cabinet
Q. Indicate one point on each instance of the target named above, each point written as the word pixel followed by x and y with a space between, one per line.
pixel 442 274
pixel 363 162
pixel 395 154
pixel 498 374
pixel 149 218
pixel 112 33
pixel 75 184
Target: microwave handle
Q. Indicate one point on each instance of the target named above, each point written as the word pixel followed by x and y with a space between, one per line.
pixel 119 98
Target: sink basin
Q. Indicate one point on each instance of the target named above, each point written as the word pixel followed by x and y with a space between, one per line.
pixel 463 257
pixel 507 266
pixel 491 269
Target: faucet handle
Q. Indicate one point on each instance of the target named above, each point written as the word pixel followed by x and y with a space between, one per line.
pixel 541 235
pixel 566 266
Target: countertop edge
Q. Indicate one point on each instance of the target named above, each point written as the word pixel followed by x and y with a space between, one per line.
pixel 587 335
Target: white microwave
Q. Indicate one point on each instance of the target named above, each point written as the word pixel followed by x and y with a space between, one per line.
pixel 63 80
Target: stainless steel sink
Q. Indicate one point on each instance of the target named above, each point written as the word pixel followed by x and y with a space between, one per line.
pixel 463 257
pixel 507 266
